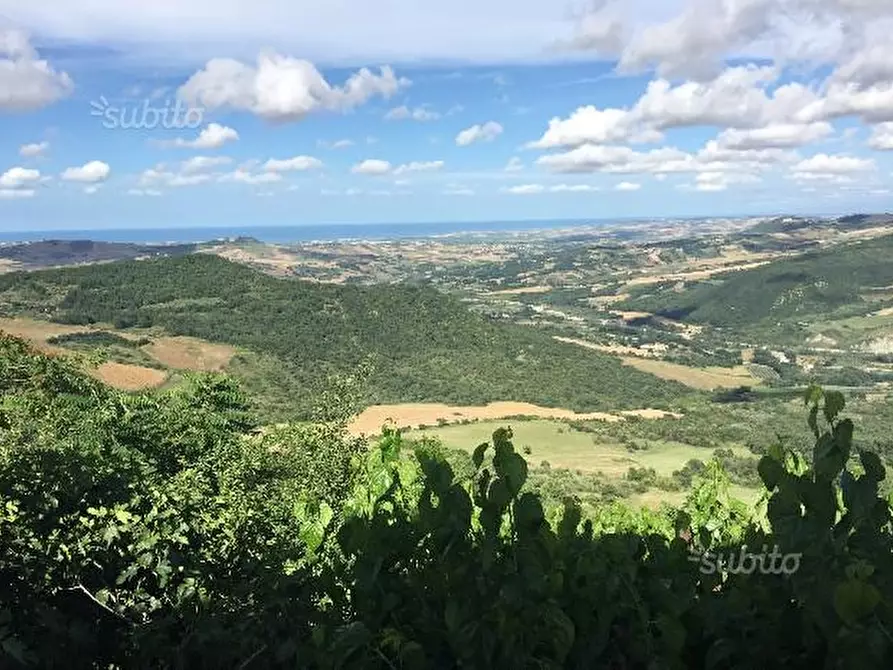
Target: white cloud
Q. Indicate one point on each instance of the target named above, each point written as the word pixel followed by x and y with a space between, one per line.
pixel 244 176
pixel 736 98
pixel 203 163
pixel 780 135
pixel 27 82
pixel 213 136
pixel 91 190
pixel 514 165
pixel 833 165
pixel 573 188
pixel 882 137
pixel 16 193
pixel 90 173
pixel 694 43
pixel 720 181
pixel 525 189
pixel 17 177
pixel 296 164
pixel 627 186
pixel 376 167
pixel 419 166
pixel 191 173
pixel 590 124
pixel 372 166
pixel 459 190
pixel 34 150
pixel 403 113
pixel 600 30
pixel 625 160
pixel 144 192
pixel 486 132
pixel 282 88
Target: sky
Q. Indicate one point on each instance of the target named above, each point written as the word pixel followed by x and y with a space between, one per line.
pixel 289 112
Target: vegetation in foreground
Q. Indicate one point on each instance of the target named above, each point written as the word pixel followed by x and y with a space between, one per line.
pixel 164 530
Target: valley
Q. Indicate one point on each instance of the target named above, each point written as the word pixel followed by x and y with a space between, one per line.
pixel 613 353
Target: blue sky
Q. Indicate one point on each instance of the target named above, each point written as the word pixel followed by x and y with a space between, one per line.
pixel 593 115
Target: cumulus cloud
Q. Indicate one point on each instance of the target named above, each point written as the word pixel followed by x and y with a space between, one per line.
pixel 376 167
pixel 296 164
pixel 34 150
pixel 213 136
pixel 372 166
pixel 403 112
pixel 419 166
pixel 590 124
pixel 89 173
pixel 664 160
pixel 283 88
pixel 825 166
pixel 627 186
pixel 600 29
pixel 694 43
pixel 27 82
pixel 736 99
pixel 882 137
pixel 486 132
pixel 151 192
pixel 573 188
pixel 244 176
pixel 778 135
pixel 710 182
pixel 525 189
pixel 203 163
pixel 18 177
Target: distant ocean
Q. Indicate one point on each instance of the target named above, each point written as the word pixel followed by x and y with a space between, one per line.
pixel 285 234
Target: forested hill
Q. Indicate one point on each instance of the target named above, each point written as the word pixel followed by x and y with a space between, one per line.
pixel 814 283
pixel 425 346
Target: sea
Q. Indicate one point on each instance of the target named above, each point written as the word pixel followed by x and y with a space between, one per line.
pixel 307 233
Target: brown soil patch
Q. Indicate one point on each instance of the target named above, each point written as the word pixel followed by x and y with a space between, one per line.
pixel 38 332
pixel 705 379
pixel 187 353
pixel 129 377
pixel 693 275
pixel 370 421
pixel 887 311
pixel 618 349
pixel 8 265
pixel 521 291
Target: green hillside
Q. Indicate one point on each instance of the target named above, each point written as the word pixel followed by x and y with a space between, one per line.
pixel 816 283
pixel 424 346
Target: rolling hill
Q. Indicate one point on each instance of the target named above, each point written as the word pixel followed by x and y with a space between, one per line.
pixel 814 283
pixel 424 346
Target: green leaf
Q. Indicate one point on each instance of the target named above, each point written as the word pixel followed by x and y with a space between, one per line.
pixel 854 600
pixel 771 472
pixel 529 511
pixel 874 468
pixel 834 404
pixel 479 452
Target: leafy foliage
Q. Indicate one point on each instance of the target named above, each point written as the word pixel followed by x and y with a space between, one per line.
pixel 166 531
pixel 812 284
pixel 305 332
